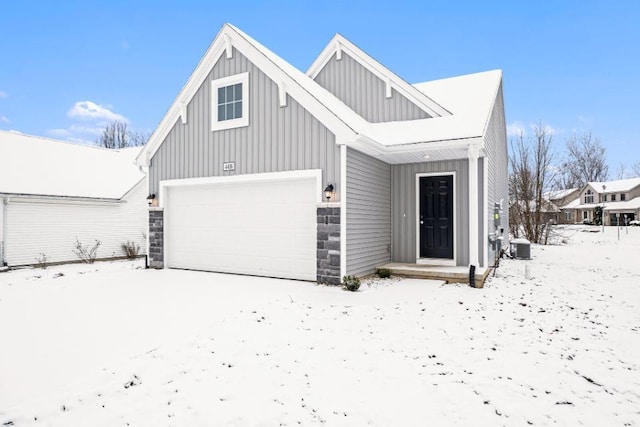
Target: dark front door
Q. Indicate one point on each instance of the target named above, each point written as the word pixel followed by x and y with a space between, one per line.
pixel 436 217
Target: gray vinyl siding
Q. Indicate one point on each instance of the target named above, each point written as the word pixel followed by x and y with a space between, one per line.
pixel 368 189
pixel 497 168
pixel 277 138
pixel 403 208
pixel 365 93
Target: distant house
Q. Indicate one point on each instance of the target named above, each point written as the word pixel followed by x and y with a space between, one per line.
pixel 620 200
pixel 53 192
pixel 258 168
pixel 556 200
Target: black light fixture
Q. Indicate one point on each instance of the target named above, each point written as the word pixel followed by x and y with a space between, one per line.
pixel 328 192
pixel 151 198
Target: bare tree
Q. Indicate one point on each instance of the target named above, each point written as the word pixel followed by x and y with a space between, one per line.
pixel 530 177
pixel 586 160
pixel 117 135
pixel 636 168
pixel 621 172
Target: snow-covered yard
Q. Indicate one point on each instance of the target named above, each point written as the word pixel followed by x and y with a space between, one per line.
pixel 114 344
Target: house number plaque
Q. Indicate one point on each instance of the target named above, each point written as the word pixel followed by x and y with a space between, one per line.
pixel 229 166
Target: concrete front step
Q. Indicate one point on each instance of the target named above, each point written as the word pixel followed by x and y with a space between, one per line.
pixel 450 274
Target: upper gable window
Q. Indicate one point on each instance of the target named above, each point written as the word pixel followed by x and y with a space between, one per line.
pixel 230 102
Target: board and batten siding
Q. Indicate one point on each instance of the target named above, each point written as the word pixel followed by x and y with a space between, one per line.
pixel 50 227
pixel 403 208
pixel 368 213
pixel 497 168
pixel 277 138
pixel 365 93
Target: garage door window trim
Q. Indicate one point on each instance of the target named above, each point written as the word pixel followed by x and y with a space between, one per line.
pixel 230 102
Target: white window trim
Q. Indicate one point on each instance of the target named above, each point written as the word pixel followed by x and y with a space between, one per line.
pixel 228 81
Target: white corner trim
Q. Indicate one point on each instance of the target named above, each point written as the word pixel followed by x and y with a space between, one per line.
pixel 343 211
pixel 485 192
pixel 436 261
pixel 282 94
pixel 387 88
pixel 228 48
pixel 474 152
pixel 243 121
pixel 183 113
pixel 338 51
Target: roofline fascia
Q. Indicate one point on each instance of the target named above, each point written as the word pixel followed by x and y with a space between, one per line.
pixel 421 146
pixel 49 197
pixel 383 73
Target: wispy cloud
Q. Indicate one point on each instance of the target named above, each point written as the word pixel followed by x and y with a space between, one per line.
pixel 3 94
pixel 516 129
pixel 90 111
pixel 4 119
pixel 90 119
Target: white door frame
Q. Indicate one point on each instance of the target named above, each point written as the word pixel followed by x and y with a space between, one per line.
pixel 435 261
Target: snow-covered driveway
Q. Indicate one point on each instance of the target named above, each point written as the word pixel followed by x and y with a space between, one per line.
pixel 113 344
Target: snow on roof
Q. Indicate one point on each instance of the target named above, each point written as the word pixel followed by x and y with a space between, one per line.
pixel 32 165
pixel 558 194
pixel 572 205
pixel 617 185
pixel 625 205
pixel 468 98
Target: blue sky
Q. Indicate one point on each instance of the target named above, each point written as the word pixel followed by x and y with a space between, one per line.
pixel 66 67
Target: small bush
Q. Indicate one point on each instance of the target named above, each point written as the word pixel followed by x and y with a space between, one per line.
pixel 383 273
pixel 351 283
pixel 86 254
pixel 41 261
pixel 130 249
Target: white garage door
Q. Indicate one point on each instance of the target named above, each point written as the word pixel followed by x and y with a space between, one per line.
pixel 265 228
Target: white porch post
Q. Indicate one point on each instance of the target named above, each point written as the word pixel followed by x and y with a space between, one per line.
pixel 473 153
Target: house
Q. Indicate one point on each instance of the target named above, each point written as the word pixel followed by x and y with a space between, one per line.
pixel 619 199
pixel 556 200
pixel 54 192
pixel 258 168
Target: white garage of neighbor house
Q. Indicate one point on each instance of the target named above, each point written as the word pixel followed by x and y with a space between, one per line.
pixel 54 192
pixel 258 168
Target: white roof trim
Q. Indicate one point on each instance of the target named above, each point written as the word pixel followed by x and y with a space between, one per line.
pixel 228 38
pixel 339 44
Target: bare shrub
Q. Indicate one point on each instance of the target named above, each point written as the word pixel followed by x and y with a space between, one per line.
pixel 130 249
pixel 41 261
pixel 87 254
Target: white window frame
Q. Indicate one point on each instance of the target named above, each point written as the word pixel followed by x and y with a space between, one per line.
pixel 243 121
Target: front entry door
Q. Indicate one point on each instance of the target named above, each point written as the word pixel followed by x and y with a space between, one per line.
pixel 436 216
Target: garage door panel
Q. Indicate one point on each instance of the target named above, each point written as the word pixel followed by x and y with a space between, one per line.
pixel 263 228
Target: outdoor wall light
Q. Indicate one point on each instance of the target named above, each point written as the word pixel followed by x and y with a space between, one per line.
pixel 151 198
pixel 328 192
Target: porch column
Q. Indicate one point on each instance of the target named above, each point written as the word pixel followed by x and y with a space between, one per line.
pixel 473 153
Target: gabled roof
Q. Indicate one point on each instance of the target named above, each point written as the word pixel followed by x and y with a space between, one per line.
pixel 616 186
pixel 558 194
pixel 334 114
pixel 465 103
pixel 31 165
pixel 340 44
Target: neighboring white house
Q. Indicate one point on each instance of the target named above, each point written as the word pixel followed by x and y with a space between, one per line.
pixel 54 192
pixel 620 200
